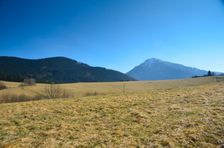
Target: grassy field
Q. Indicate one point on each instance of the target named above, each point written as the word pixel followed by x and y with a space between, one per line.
pixel 81 89
pixel 180 113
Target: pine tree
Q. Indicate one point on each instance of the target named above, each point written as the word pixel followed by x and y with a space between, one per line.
pixel 209 73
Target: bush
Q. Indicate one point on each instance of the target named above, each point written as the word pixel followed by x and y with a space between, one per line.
pixel 2 86
pixel 50 92
pixel 8 98
pixel 91 94
pixel 54 91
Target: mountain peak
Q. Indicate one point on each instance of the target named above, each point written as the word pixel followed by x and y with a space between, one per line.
pixel 151 61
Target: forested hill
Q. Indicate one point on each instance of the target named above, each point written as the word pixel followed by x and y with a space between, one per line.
pixel 56 70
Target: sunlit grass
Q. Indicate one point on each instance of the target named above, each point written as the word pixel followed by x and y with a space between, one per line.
pixel 187 116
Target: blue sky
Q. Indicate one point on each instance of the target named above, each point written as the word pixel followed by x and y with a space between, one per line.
pixel 117 34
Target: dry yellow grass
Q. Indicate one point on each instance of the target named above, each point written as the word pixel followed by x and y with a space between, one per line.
pixel 183 113
pixel 80 89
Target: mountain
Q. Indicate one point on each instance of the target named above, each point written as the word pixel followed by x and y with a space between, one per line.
pixel 155 69
pixel 56 70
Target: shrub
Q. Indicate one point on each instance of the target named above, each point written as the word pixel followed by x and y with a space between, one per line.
pixel 2 86
pixel 91 94
pixel 7 98
pixel 54 91
pixel 50 92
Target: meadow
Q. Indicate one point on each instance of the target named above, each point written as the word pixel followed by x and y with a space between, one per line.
pixel 177 113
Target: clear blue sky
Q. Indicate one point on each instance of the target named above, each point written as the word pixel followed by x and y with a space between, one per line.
pixel 117 34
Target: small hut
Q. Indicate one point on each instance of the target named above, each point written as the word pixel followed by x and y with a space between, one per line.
pixel 29 81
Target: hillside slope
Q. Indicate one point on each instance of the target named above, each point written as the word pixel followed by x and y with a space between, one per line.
pixel 57 70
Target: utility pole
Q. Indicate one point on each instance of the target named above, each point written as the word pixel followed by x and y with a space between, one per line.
pixel 123 88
